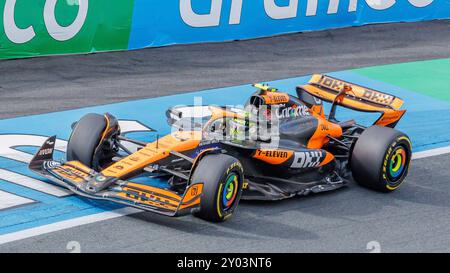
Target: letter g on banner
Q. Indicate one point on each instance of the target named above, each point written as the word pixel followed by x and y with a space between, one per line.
pixel 55 30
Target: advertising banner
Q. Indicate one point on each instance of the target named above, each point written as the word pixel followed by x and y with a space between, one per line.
pixel 157 23
pixel 43 27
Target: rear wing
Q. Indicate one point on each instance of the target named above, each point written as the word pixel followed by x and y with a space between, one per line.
pixel 356 97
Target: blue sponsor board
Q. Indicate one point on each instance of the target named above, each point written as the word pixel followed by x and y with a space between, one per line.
pixel 158 23
pixel 37 205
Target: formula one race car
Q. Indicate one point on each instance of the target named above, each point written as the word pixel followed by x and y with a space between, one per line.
pixel 275 147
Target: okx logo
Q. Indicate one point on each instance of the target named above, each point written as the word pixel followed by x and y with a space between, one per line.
pixel 41 27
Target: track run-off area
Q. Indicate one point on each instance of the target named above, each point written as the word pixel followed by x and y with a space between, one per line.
pixel 30 206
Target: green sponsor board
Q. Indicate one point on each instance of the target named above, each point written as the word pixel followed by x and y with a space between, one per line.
pixel 42 27
pixel 431 78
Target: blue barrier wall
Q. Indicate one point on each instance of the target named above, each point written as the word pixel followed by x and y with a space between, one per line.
pixel 158 23
pixel 46 27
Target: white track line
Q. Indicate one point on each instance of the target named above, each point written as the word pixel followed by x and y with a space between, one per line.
pixel 27 233
pixel 432 152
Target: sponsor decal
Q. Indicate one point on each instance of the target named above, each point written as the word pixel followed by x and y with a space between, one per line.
pixel 147 198
pixel 31 27
pixel 235 164
pixel 277 11
pixel 272 153
pixel 292 111
pixel 324 127
pixel 51 165
pixel 43 27
pixel 194 191
pixel 378 97
pixel 70 173
pixel 309 159
pixel 274 157
pixel 370 95
pixel 44 152
pixel 275 98
pixel 58 32
pixel 331 83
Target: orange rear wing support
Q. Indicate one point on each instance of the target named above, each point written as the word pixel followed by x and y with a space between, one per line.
pixel 356 97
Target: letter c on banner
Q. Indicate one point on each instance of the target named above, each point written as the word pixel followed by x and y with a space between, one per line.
pixel 380 4
pixel 61 33
pixel 276 12
pixel 194 19
pixel 420 3
pixel 15 34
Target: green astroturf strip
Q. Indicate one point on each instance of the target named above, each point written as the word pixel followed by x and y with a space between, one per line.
pixel 430 78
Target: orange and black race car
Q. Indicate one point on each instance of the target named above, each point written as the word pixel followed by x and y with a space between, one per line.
pixel 275 147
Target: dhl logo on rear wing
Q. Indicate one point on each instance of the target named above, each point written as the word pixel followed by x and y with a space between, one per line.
pixel 356 97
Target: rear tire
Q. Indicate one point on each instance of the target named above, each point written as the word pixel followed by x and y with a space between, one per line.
pixel 222 176
pixel 85 139
pixel 380 158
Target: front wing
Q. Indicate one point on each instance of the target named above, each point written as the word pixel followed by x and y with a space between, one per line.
pixel 79 179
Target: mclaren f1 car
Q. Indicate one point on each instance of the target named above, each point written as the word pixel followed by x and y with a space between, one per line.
pixel 274 147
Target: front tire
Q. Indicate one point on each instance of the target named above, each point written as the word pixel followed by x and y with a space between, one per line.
pixel 88 142
pixel 380 158
pixel 222 176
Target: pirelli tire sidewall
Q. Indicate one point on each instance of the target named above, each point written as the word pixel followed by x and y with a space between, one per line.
pixel 374 154
pixel 85 138
pixel 213 171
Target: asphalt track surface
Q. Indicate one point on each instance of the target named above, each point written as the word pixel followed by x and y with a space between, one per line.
pixel 415 218
pixel 60 83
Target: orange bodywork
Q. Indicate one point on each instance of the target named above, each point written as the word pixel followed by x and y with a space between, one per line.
pixel 78 173
pixel 274 157
pixel 74 171
pixel 318 109
pixel 192 196
pixel 134 194
pixel 152 152
pixel 356 97
pixel 324 128
pixel 275 98
pixel 161 198
pixel 328 158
